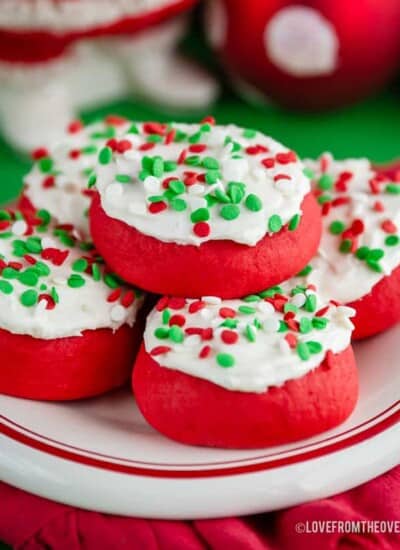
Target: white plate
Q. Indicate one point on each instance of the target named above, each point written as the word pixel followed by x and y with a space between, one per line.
pixel 100 454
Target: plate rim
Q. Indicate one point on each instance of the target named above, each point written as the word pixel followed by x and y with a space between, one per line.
pixel 72 454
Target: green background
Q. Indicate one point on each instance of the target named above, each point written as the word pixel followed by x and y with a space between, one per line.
pixel 370 128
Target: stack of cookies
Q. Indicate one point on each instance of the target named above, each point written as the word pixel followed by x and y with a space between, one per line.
pixel 263 265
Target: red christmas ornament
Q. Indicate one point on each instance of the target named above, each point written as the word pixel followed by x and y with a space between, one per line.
pixel 310 55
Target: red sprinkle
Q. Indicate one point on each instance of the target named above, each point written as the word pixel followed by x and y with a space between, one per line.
pixel 208 120
pixel 182 156
pixel 229 336
pixel 169 138
pixel 74 127
pixel 321 312
pixel 29 259
pixel 55 256
pixel 291 339
pixel 357 227
pixel 196 306
pixel 48 182
pixel 176 303
pixel 115 120
pixel 147 146
pixel 227 312
pixel 379 206
pixel 389 227
pixel 256 149
pixel 178 320
pixel 268 163
pixel 286 158
pixel 114 295
pixel 50 303
pixel 128 298
pixel 205 352
pixel 40 153
pixel 197 148
pixel 162 303
pixel 201 229
pixel 160 350
pixel 340 201
pixel 282 177
pixel 207 334
pixel 326 208
pixel 155 128
pixel 74 154
pixel 15 265
pixel 124 145
pixel 157 207
pixel 4 224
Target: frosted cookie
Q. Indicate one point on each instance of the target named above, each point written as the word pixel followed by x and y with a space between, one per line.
pixel 358 261
pixel 58 181
pixel 195 209
pixel 68 326
pixel 264 370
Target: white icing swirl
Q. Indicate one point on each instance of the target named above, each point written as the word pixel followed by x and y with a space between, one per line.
pixel 232 155
pixel 82 305
pixel 339 275
pixel 67 197
pixel 72 15
pixel 261 355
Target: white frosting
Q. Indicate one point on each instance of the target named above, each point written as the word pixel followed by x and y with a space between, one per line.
pixel 267 361
pixel 280 188
pixel 302 42
pixel 70 15
pixel 68 199
pixel 78 309
pixel 342 276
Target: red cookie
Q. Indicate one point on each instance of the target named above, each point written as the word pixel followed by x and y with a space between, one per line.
pixel 202 209
pixel 69 327
pixel 220 268
pixel 197 412
pixel 67 368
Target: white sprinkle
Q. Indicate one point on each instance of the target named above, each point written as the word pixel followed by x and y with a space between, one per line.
pixel 196 189
pixel 206 313
pixel 265 307
pixel 212 300
pixel 114 191
pixel 48 242
pixel 192 340
pixel 19 227
pixel 137 207
pixel 152 185
pixel 346 311
pixel 271 324
pixel 234 169
pixel 118 313
pixel 196 202
pixel 299 299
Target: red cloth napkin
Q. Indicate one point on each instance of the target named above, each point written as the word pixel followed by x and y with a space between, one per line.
pixel 28 522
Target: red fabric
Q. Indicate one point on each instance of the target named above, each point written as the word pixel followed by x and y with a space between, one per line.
pixel 28 522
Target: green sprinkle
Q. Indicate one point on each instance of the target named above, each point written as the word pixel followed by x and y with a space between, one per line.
pixel 374 266
pixel 200 215
pixel 225 360
pixel 10 273
pixel 33 245
pixel 345 246
pixel 212 176
pixel 195 138
pixel 309 173
pixel 28 278
pixel 375 255
pixel 314 347
pixel 105 155
pixel 305 325
pixel 170 166
pixel 249 133
pixel 158 167
pixel 221 196
pixel 230 323
pixel 5 234
pixel 236 191
pixel 92 180
pixel 44 215
pixel 80 265
pixel 250 333
pixel 362 252
pixel 246 310
pixel 311 303
pixel 290 307
pixel 294 222
pixel 337 227
pixel 178 204
pixel 161 333
pixel 89 150
pixel 96 273
pixel 392 240
pixel 319 323
pixel 275 223
pixel 166 316
pixel 111 280
pixel 45 165
pixel 325 182
pixel 177 186
pixel 230 212
pixel 76 281
pixel 176 334
pixel 303 351
pixel 210 163
pixel 193 160
pixel 322 199
pixel 54 295
pixel 133 129
pixel 4 215
pixel 123 178
pixel 154 138
pixel 29 298
pixel 306 271
pixel 6 287
pixel 393 189
pixel 251 298
pixel 253 203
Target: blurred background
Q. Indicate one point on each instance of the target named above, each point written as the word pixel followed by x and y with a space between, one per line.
pixel 318 75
